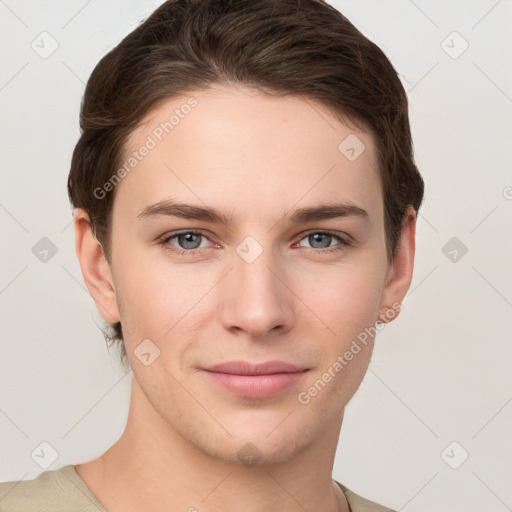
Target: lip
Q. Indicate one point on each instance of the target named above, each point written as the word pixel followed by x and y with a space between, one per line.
pixel 255 380
pixel 243 368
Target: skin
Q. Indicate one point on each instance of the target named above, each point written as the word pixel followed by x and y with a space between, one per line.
pixel 255 157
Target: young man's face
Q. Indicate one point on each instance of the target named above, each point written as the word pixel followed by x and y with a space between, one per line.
pixel 266 286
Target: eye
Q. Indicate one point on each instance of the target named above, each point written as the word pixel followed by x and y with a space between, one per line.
pixel 187 242
pixel 321 241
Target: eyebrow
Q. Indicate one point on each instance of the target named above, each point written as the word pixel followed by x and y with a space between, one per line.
pixel 172 208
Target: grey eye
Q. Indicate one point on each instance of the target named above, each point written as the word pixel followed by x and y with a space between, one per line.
pixel 188 240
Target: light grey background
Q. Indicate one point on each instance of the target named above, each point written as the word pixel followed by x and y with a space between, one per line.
pixel 440 373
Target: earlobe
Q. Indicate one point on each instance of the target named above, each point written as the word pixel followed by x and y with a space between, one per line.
pixel 399 276
pixel 95 268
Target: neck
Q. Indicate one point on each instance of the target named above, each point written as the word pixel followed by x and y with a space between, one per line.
pixel 150 468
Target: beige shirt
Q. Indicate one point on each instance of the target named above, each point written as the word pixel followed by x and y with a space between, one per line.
pixel 62 490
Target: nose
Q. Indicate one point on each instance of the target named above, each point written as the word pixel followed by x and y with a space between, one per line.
pixel 256 299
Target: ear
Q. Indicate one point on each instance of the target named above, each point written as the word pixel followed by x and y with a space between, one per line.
pixel 399 276
pixel 95 268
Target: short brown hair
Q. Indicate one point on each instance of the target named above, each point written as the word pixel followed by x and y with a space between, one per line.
pixel 283 47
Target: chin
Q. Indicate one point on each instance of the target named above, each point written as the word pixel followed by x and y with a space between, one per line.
pixel 255 445
pixel 258 452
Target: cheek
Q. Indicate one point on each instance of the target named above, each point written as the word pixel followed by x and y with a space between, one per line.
pixel 348 304
pixel 158 299
pixel 144 294
pixel 345 298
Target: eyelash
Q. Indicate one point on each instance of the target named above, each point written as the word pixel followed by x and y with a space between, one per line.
pixel 164 241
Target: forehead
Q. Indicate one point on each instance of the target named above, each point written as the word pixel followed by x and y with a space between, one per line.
pixel 239 145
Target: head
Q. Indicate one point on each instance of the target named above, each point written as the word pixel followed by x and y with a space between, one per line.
pixel 258 110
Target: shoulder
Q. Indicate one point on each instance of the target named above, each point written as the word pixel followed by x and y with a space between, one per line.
pixel 60 490
pixel 359 504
